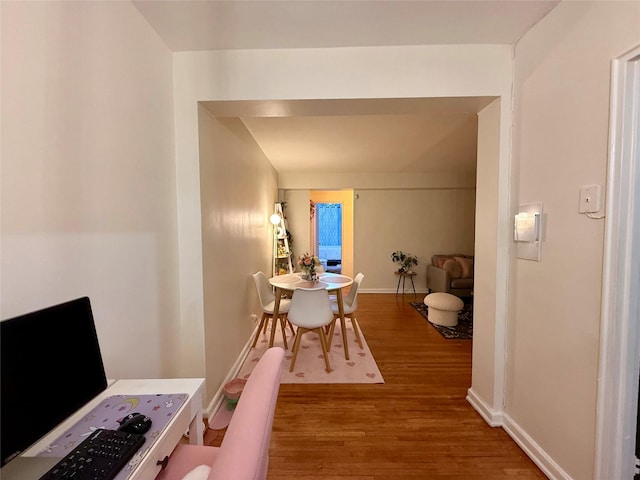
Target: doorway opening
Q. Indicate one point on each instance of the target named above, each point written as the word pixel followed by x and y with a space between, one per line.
pixel 342 236
pixel 329 236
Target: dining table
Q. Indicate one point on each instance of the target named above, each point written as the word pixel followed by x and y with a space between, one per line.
pixel 332 282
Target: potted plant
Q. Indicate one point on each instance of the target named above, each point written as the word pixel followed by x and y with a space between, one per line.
pixel 405 261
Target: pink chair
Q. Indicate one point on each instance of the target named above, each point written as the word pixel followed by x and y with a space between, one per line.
pixel 244 452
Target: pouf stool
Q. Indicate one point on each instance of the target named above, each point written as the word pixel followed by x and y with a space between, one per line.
pixel 443 308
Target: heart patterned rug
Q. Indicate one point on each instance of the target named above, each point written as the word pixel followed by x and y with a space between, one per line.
pixel 309 368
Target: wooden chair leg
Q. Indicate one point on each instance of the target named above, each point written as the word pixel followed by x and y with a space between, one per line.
pixel 274 326
pixel 356 329
pixel 262 322
pixel 296 346
pixel 293 332
pixel 323 344
pixel 284 332
pixel 329 329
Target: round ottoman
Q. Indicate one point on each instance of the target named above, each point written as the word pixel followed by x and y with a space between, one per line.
pixel 443 308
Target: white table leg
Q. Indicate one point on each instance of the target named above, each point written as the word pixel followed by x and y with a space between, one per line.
pixel 196 429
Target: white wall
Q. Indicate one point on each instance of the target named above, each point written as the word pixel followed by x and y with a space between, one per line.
pixel 421 221
pixel 88 176
pixel 238 190
pixel 486 291
pixel 297 213
pixel 562 82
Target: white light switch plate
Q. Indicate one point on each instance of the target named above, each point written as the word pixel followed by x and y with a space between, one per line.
pixel 531 250
pixel 589 199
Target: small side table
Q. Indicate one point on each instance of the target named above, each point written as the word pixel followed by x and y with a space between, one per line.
pixel 401 278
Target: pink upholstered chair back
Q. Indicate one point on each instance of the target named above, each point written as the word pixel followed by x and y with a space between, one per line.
pixel 244 453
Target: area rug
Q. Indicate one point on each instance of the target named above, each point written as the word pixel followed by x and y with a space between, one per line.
pixel 464 328
pixel 309 368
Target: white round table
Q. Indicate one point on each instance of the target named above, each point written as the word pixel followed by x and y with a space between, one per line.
pixel 332 282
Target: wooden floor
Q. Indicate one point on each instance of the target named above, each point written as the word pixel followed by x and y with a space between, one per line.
pixel 417 425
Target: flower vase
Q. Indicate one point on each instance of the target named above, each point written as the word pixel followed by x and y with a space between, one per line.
pixel 309 275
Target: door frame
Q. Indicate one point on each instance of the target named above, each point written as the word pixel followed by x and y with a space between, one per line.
pixel 316 245
pixel 617 398
pixel 346 198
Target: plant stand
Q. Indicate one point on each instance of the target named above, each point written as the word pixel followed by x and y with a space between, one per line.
pixel 402 276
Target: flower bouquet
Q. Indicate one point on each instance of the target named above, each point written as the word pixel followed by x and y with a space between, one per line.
pixel 307 264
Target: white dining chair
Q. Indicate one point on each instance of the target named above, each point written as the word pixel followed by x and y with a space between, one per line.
pixel 350 304
pixel 268 301
pixel 310 311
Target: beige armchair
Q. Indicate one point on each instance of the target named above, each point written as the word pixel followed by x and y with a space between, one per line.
pixel 451 274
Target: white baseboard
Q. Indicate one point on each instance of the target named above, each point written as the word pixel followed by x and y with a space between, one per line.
pixel 500 419
pixel 218 397
pixel 550 468
pixel 493 417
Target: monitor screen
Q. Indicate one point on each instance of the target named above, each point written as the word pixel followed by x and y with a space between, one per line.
pixel 50 367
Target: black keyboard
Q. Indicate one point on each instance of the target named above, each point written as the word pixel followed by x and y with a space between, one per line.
pixel 99 457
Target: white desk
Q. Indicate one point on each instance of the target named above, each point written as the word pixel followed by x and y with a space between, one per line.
pixel 187 418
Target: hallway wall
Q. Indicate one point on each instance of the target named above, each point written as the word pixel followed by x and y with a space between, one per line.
pixel 562 88
pixel 88 186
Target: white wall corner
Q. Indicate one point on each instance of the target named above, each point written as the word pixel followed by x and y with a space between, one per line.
pixel 493 417
pixel 550 468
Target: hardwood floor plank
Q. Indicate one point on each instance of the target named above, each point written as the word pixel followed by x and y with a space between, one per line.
pixel 417 425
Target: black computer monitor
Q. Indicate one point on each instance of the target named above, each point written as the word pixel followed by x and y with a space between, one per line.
pixel 51 366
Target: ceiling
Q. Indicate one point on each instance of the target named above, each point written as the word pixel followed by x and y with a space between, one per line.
pixel 245 24
pixel 386 135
